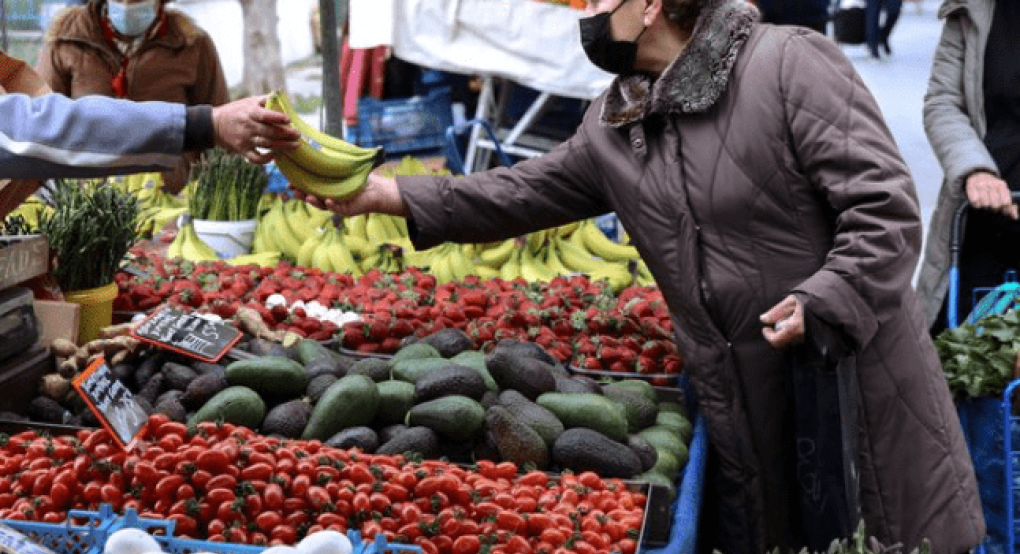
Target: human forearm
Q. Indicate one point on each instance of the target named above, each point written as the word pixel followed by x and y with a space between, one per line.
pixel 54 136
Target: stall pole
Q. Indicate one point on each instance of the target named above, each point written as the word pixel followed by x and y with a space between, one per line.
pixel 332 101
pixel 3 24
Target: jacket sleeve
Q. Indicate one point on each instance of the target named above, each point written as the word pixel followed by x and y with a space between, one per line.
pixel 947 123
pixel 848 154
pixel 53 136
pixel 551 190
pixel 211 87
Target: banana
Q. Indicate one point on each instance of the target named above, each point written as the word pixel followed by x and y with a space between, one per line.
pixel 496 254
pixel 616 274
pixel 442 270
pixel 313 181
pixel 279 101
pixel 459 263
pixel 377 229
pixel 512 268
pixel 329 159
pixel 485 272
pixel 533 269
pixel 263 259
pixel 354 226
pixel 320 256
pixel 643 275
pixel 568 229
pixel 574 257
pixel 193 248
pixel 308 248
pixel 298 218
pixel 341 260
pixel 553 259
pixel 535 240
pixel 359 247
pixel 174 250
pixel 600 245
pixel 280 232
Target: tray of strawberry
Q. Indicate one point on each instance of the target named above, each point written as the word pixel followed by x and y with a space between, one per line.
pixel 580 321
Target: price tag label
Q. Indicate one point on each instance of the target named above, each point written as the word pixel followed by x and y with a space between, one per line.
pixel 112 402
pixel 188 334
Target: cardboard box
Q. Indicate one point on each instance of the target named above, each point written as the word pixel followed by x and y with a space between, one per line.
pixel 56 320
pixel 22 258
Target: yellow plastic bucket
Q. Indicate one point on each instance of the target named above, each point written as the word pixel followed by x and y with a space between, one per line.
pixel 96 310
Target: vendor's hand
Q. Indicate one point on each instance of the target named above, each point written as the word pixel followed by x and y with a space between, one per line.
pixel 988 192
pixel 784 323
pixel 248 128
pixel 379 195
pixel 175 179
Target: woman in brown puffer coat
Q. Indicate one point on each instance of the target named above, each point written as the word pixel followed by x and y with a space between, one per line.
pixel 752 169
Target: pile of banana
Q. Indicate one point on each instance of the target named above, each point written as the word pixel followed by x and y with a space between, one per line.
pixel 323 165
pixel 157 206
pixel 189 246
pixel 326 249
pixel 286 225
pixel 30 210
pixel 576 248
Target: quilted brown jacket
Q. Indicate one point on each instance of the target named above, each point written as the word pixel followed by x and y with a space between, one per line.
pixel 179 66
pixel 757 165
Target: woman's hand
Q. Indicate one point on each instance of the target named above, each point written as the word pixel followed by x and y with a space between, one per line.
pixel 988 192
pixel 380 195
pixel 784 323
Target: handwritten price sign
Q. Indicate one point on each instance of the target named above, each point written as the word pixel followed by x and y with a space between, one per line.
pixel 188 334
pixel 111 401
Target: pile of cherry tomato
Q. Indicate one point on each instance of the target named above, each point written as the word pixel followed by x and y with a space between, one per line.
pixel 226 483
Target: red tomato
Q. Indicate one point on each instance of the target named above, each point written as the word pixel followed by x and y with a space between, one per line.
pixel 260 471
pixel 267 521
pixel 219 496
pixel 221 481
pixel 273 496
pixel 467 544
pixel 167 486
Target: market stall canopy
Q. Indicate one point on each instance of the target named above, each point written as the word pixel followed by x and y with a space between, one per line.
pixel 536 44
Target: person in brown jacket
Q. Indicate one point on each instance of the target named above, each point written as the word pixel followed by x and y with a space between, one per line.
pixel 138 50
pixel 754 173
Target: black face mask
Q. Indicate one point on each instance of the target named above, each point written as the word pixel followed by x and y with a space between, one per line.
pixel 612 56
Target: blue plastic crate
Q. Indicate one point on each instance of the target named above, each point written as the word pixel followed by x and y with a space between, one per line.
pixel 90 537
pixel 404 126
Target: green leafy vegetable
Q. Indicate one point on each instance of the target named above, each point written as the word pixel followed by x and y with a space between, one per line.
pixel 978 359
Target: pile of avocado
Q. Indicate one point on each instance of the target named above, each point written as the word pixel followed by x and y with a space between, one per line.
pixel 438 398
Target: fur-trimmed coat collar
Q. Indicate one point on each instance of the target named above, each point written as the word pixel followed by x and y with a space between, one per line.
pixel 696 79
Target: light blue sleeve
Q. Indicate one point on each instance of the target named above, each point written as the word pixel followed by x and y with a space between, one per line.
pixel 53 136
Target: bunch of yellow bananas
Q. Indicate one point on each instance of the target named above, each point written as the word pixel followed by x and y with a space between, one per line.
pixel 326 249
pixel 574 248
pixel 286 226
pixel 187 245
pixel 451 262
pixel 262 259
pixel 323 165
pixel 30 210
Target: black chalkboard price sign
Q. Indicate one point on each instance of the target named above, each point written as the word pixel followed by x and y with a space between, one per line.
pixel 111 401
pixel 188 334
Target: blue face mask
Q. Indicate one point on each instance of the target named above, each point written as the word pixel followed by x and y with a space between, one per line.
pixel 132 20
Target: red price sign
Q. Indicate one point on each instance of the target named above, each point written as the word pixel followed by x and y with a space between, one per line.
pixel 112 402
